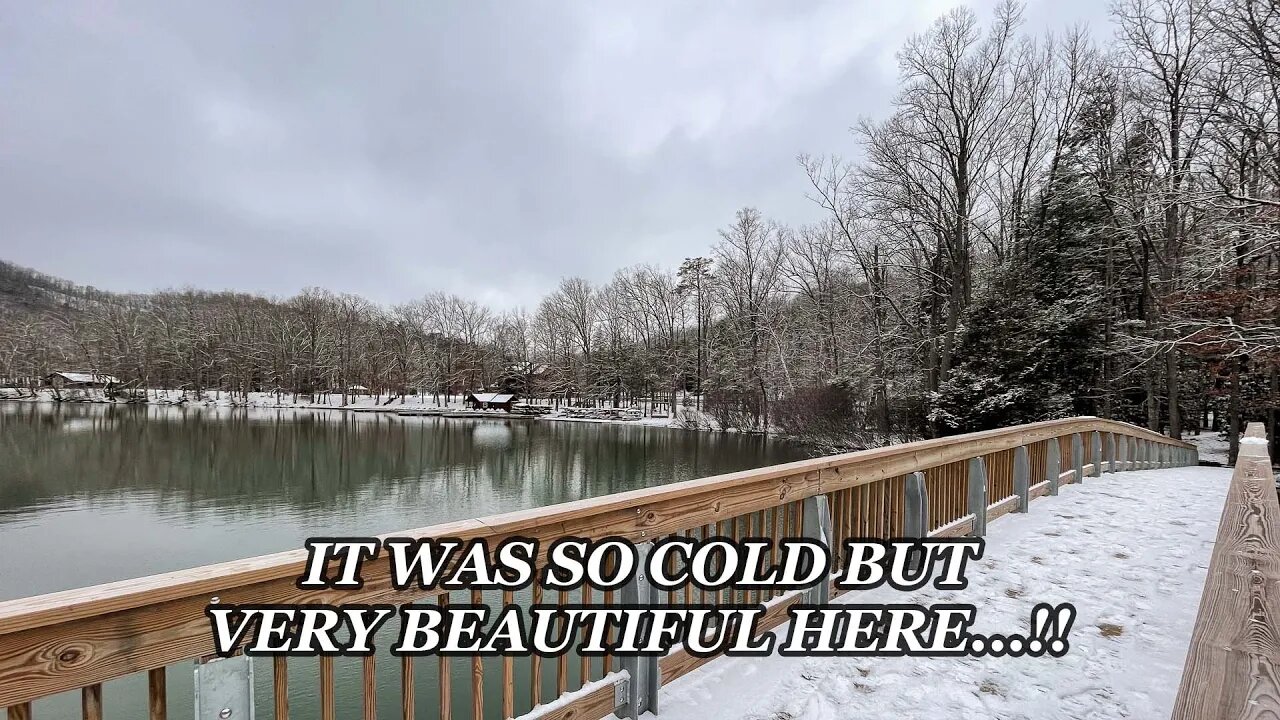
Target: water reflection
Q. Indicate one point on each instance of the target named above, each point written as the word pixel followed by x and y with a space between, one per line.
pixel 110 492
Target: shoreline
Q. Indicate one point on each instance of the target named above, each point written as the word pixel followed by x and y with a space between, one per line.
pixel 362 404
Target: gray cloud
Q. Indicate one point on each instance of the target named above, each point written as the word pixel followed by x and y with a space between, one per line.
pixel 391 149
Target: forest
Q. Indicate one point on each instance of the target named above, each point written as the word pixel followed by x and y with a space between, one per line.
pixel 1042 226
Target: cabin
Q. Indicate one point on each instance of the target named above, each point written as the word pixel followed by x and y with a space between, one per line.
pixel 79 380
pixel 490 401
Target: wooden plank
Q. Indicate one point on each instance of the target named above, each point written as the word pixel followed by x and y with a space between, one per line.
pixel 1233 664
pixel 477 671
pixel 91 702
pixel 535 660
pixel 280 686
pixel 1004 507
pixel 445 682
pixel 157 697
pixel 955 528
pixel 327 708
pixel 407 697
pixel 592 702
pixel 369 689
pixel 562 660
pixel 508 667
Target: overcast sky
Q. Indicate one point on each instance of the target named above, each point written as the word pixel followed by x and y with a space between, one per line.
pixel 394 148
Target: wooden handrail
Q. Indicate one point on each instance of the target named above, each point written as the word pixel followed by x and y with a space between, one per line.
pixel 70 639
pixel 1233 664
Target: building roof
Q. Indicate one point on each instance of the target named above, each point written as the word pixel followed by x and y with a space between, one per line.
pixel 493 397
pixel 78 376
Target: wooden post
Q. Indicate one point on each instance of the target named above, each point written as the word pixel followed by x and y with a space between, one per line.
pixel 1111 452
pixel 1053 466
pixel 644 675
pixel 817 527
pixel 978 496
pixel 1022 477
pixel 1097 454
pixel 1229 672
pixel 915 521
pixel 1077 457
pixel 1123 454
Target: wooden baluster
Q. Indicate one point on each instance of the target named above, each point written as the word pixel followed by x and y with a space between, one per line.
pixel 446 681
pixel 584 662
pixel 369 709
pixel 877 508
pixel 739 531
pixel 19 712
pixel 671 567
pixel 722 531
pixel 776 534
pixel 157 698
pixel 834 502
pixel 864 510
pixel 754 530
pixel 562 662
pixel 327 711
pixel 477 670
pixel 688 586
pixel 406 688
pixel 535 661
pixel 91 702
pixel 508 665
pixel 899 499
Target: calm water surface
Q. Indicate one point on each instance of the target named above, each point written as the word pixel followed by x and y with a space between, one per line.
pixel 93 493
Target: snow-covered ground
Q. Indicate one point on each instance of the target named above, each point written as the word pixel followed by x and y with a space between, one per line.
pixel 1212 446
pixel 1130 550
pixel 685 417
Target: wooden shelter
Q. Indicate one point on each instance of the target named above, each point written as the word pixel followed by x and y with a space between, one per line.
pixel 79 380
pixel 490 401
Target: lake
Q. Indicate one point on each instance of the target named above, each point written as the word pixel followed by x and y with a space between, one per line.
pixel 95 493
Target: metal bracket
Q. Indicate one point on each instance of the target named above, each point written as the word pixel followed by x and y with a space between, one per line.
pixel 817 527
pixel 224 688
pixel 1077 458
pixel 915 523
pixel 978 496
pixel 1097 454
pixel 639 694
pixel 1022 477
pixel 1053 465
pixel 621 692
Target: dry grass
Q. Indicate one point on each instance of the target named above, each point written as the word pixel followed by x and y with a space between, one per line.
pixel 1110 630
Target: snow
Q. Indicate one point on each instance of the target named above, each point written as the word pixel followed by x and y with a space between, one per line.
pixel 360 403
pixel 1213 446
pixel 1130 550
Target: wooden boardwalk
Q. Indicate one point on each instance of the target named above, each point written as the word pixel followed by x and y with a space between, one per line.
pixel 79 639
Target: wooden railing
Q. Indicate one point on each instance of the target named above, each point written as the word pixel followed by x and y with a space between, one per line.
pixel 1233 665
pixel 79 639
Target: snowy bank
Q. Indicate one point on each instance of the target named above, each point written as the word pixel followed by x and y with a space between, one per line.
pixel 1130 550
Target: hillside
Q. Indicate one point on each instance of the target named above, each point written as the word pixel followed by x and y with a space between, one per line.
pixel 25 290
